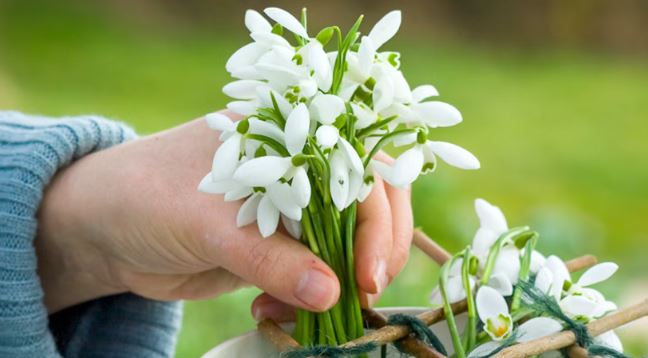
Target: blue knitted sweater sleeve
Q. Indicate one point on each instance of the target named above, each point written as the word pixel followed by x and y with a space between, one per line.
pixel 32 149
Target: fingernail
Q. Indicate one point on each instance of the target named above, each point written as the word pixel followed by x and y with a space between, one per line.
pixel 316 289
pixel 380 276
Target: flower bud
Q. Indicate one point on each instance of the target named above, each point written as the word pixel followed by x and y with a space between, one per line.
pixel 243 126
pixel 299 160
pixel 324 36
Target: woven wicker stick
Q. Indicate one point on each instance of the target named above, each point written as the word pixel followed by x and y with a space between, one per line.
pixel 411 345
pixel 277 336
pixel 567 338
pixel 430 247
pixel 390 334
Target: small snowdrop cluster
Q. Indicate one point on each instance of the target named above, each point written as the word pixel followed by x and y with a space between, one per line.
pixel 499 258
pixel 304 115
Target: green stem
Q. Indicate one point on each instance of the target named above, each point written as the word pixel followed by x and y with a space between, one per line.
pixel 495 249
pixel 525 267
pixel 470 333
pixel 384 140
pixel 278 147
pixel 447 311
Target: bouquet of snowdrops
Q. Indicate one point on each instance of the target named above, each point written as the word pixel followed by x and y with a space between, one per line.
pixel 315 111
pixel 515 294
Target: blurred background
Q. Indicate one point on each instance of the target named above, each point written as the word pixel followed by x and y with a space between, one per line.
pixel 554 96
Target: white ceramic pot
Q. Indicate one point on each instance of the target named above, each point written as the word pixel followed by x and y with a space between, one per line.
pixel 253 345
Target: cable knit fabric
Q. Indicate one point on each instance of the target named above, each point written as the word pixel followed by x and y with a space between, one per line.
pixel 32 149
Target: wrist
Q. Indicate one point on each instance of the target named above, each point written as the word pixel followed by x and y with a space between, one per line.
pixel 72 269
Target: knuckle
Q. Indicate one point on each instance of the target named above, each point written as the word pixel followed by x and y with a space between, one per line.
pixel 263 259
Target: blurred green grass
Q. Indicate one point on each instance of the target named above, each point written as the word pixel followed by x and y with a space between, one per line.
pixel 561 134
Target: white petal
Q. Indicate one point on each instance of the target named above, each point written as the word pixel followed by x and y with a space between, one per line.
pixel 297 126
pixel 240 192
pixel 245 57
pixel 537 261
pixel 353 159
pixel 405 139
pixel 385 171
pixel 262 171
pixel 560 275
pixel 454 155
pixel 456 290
pixel 402 91
pixel 365 116
pixel 385 28
pixel 244 108
pixel 268 129
pixel 293 227
pixel 508 263
pixel 325 108
pixel 267 217
pixel 435 297
pixel 609 339
pixel 604 308
pixel 247 214
pixel 327 136
pixel 544 280
pixel 242 89
pixel 364 191
pixel 355 184
pixel 256 23
pixel 383 94
pixel 220 122
pixel 339 180
pixel 285 19
pixel 437 114
pixel 301 187
pixel 484 349
pixel 501 283
pixel 490 303
pixel 484 239
pixel 319 63
pixel 598 273
pixel 423 92
pixel 537 328
pixel 490 217
pixel 407 167
pixel 226 158
pixel 282 198
pixel 578 306
pixel 270 39
pixel 366 55
pixel 265 98
pixel 208 185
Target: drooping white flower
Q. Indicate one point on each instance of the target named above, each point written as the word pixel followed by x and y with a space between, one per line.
pixel 409 165
pixel 498 323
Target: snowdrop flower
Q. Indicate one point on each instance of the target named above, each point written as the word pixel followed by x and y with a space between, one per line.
pixel 585 302
pixel 498 323
pixel 294 96
pixel 422 158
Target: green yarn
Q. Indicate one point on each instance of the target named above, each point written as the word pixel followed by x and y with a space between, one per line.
pixel 328 351
pixel 545 304
pixel 420 331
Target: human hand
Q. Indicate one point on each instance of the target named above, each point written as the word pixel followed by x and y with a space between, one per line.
pixel 130 219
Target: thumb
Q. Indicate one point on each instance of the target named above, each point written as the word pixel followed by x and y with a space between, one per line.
pixel 282 267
